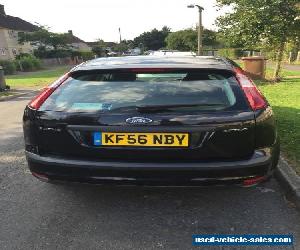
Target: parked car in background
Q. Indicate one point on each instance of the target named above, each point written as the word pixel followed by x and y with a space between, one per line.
pixel 152 120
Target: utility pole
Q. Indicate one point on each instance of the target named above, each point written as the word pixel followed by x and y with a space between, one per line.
pixel 200 33
pixel 120 35
pixel 200 28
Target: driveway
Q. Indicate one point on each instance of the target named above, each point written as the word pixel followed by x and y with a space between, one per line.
pixel 37 215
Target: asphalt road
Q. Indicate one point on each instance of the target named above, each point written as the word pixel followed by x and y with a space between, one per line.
pixel 37 215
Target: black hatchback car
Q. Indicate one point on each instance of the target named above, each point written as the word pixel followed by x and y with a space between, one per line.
pixel 154 121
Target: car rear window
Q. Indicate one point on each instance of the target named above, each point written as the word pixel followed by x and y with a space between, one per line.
pixel 158 90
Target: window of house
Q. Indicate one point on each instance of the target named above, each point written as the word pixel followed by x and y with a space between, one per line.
pixel 11 34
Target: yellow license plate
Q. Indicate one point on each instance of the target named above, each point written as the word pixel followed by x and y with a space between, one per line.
pixel 141 139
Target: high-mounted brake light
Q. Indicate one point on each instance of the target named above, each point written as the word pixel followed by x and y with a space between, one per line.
pixel 254 96
pixel 149 70
pixel 37 101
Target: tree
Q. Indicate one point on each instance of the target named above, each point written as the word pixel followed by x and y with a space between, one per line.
pixel 210 38
pixel 186 40
pixel 224 42
pixel 100 48
pixel 121 47
pixel 269 23
pixel 44 37
pixel 183 40
pixel 295 48
pixel 152 40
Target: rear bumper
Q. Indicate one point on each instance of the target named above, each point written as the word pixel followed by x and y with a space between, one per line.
pixel 147 173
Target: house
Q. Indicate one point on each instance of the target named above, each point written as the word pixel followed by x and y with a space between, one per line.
pixel 10 27
pixel 78 44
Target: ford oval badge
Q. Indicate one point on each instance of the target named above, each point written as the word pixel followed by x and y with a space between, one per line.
pixel 138 120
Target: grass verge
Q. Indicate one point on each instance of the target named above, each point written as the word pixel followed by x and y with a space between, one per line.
pixel 284 73
pixel 37 79
pixel 284 98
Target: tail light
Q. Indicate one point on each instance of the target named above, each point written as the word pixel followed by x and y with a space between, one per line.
pixel 254 96
pixel 37 101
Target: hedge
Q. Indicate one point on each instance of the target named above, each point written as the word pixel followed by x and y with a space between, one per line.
pixel 42 52
pixel 85 55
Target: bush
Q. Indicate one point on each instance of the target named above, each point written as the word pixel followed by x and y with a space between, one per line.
pixel 28 63
pixel 36 63
pixel 231 53
pixel 85 55
pixel 22 55
pixel 8 66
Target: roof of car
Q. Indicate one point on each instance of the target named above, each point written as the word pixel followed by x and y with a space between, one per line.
pixel 154 62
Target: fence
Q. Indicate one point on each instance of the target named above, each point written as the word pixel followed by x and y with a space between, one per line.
pixel 238 53
pixel 61 61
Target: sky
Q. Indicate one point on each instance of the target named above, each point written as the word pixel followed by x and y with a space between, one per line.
pixel 100 19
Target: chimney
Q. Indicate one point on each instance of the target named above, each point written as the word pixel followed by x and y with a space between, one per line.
pixel 70 32
pixel 2 11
